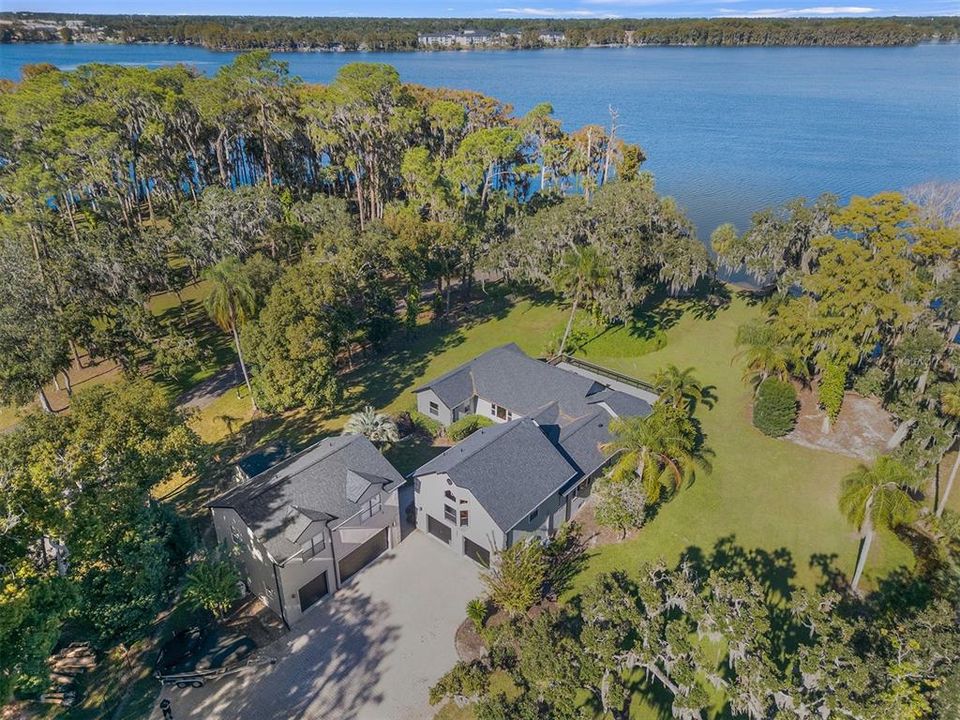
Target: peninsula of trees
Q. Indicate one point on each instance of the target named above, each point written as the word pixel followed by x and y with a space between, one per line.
pixel 346 34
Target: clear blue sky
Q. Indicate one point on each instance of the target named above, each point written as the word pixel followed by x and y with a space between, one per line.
pixel 502 8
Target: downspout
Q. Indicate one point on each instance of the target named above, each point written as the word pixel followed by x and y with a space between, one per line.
pixel 280 597
pixel 333 555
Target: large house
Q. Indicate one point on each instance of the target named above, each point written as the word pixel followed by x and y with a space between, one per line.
pixel 304 526
pixel 530 471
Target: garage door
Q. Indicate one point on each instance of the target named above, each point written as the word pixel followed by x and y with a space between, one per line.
pixel 313 591
pixel 438 529
pixel 476 552
pixel 363 555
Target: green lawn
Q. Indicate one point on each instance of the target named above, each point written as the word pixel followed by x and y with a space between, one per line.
pixel 762 494
pixel 765 493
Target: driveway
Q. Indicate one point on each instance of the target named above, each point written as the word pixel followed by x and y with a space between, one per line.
pixel 370 652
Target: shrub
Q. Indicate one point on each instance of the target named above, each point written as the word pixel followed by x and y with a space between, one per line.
pixel 467 425
pixel 578 337
pixel 464 680
pixel 426 425
pixel 515 582
pixel 477 612
pixel 872 382
pixel 212 584
pixel 621 503
pixel 833 382
pixel 775 409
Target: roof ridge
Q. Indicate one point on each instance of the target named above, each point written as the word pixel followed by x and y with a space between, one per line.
pixel 273 482
pixel 509 426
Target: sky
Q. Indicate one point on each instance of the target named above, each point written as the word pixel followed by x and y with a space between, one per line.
pixel 498 8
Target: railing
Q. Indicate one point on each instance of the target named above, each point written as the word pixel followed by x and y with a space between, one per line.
pixel 600 370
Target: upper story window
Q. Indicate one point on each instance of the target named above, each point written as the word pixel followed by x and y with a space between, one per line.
pixel 434 408
pixel 235 534
pixel 371 508
pixel 313 547
pixel 533 515
pixel 450 496
pixel 464 518
pixel 449 514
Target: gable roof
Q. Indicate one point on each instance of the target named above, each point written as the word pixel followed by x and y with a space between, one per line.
pixel 507 376
pixel 328 481
pixel 510 468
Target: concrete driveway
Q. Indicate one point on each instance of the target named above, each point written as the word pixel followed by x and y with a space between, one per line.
pixel 370 652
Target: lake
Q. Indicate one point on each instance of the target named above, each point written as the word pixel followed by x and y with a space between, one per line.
pixel 726 130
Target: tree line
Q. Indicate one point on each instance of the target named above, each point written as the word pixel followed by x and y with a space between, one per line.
pixel 121 183
pixel 285 33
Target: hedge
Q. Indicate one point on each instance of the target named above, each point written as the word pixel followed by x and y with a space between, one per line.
pixel 467 425
pixel 775 409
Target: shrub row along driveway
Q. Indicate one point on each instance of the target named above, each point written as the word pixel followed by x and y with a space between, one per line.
pixel 370 652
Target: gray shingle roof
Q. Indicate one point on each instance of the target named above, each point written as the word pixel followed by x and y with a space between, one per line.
pixel 510 468
pixel 507 376
pixel 623 404
pixel 326 482
pixel 568 413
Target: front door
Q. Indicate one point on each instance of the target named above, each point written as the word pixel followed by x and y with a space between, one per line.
pixel 363 555
pixel 313 591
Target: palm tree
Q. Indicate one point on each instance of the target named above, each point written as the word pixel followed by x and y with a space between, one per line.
pixel 376 427
pixel 763 352
pixel 950 407
pixel 680 387
pixel 661 449
pixel 878 496
pixel 581 272
pixel 231 301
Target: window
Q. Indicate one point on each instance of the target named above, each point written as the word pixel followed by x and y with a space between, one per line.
pixel 501 412
pixel 434 409
pixel 449 514
pixel 235 534
pixel 533 515
pixel 450 496
pixel 371 508
pixel 313 547
pixel 464 518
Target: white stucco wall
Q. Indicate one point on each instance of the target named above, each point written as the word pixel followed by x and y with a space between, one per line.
pixel 485 408
pixel 430 499
pixel 444 414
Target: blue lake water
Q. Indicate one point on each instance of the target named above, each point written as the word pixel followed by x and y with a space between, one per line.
pixel 726 130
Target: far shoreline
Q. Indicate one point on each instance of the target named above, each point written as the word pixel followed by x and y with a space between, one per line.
pixel 462 50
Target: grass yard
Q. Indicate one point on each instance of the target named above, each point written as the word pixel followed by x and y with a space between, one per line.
pixel 763 493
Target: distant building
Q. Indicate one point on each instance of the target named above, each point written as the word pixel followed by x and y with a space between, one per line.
pixel 465 38
pixel 552 38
